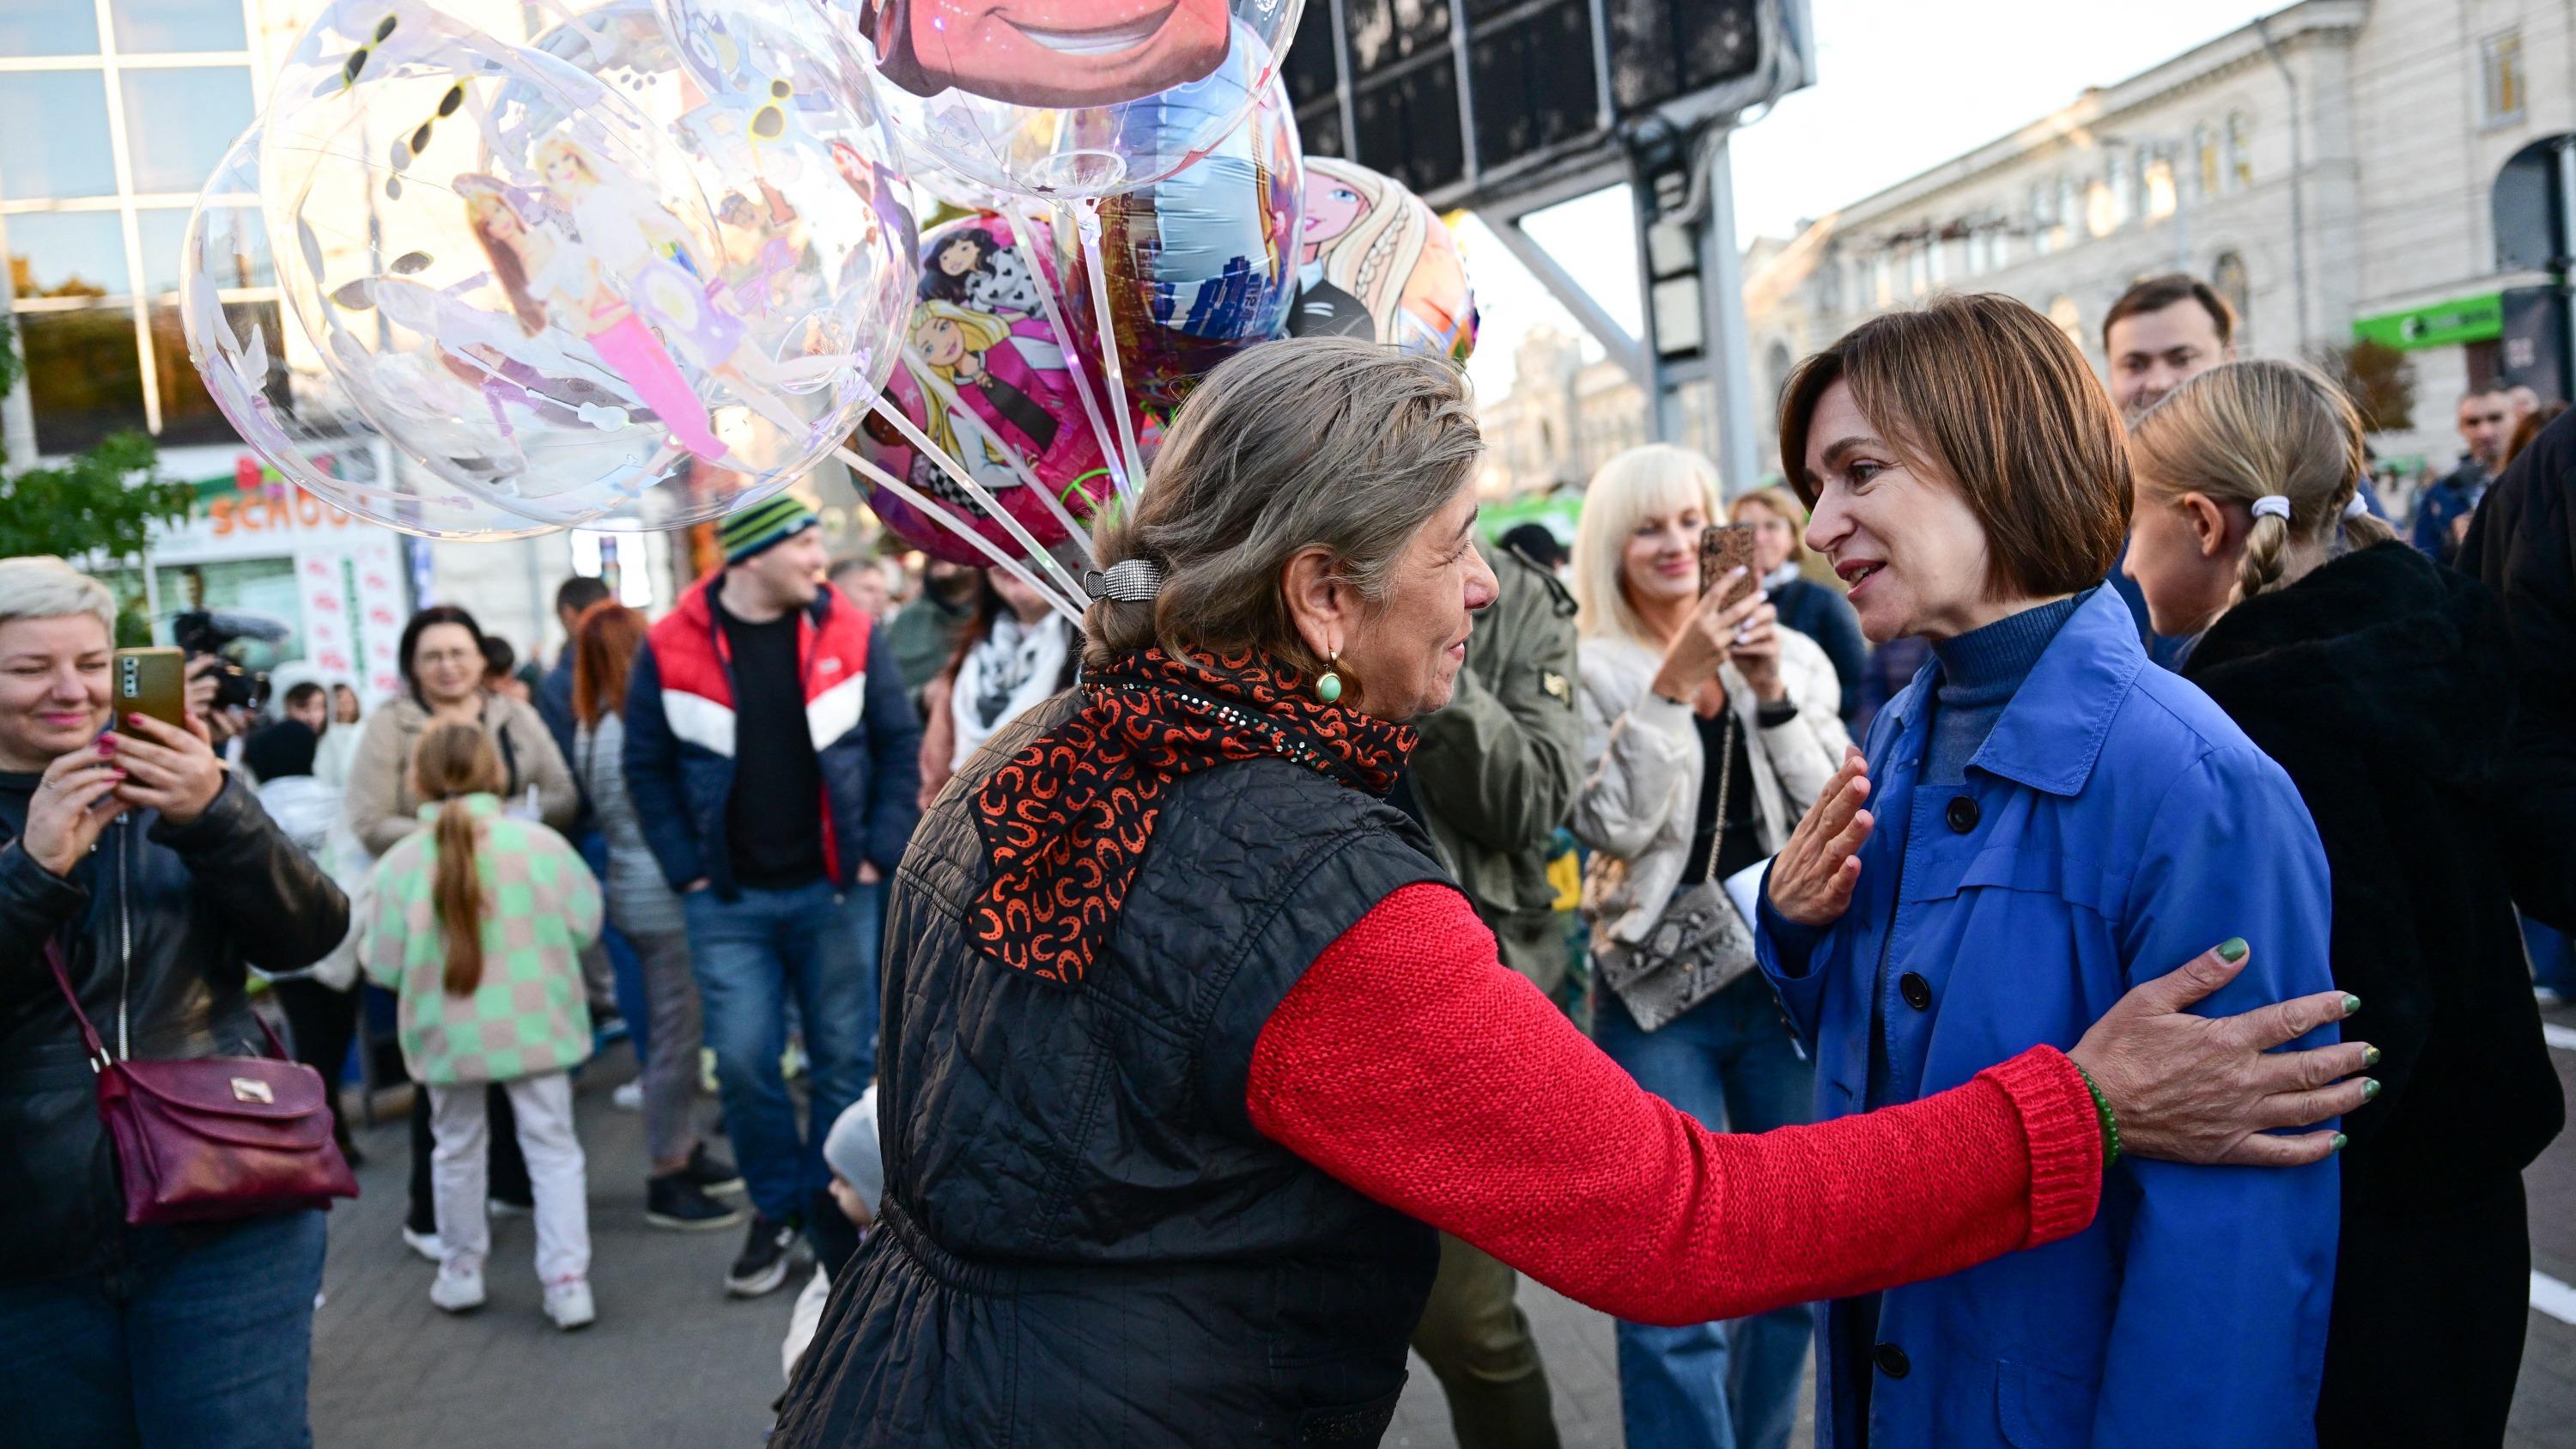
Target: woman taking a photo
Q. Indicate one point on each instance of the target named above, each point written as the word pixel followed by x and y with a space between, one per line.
pixel 1708 730
pixel 2381 682
pixel 162 881
pixel 442 661
pixel 1189 1044
pixel 2050 821
pixel 644 908
pixel 1778 522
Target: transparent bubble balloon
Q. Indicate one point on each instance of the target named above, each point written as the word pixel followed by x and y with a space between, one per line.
pixel 517 275
pixel 1065 98
pixel 270 382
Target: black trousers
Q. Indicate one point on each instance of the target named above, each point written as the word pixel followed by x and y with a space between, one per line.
pixel 2426 1337
pixel 320 1024
pixel 509 1170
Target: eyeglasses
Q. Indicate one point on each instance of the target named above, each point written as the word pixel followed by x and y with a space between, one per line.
pixel 357 60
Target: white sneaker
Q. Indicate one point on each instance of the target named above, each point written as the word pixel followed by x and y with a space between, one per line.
pixel 458 1292
pixel 569 1305
pixel 629 1097
pixel 425 1244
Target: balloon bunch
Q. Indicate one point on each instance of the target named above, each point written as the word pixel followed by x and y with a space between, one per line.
pixel 662 259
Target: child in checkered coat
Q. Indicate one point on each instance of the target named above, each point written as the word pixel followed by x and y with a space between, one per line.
pixel 477 926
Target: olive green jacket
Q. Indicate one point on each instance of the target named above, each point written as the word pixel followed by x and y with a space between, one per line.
pixel 1496 771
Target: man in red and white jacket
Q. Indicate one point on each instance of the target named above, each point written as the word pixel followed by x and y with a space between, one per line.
pixel 775 774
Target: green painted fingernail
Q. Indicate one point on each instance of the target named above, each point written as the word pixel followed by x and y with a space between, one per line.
pixel 2369 1088
pixel 2351 1004
pixel 2370 1056
pixel 2340 1140
pixel 2232 949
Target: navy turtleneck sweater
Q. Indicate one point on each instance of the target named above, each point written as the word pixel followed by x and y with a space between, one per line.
pixel 1981 671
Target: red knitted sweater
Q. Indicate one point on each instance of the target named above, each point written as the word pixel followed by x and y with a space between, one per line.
pixel 1411 1064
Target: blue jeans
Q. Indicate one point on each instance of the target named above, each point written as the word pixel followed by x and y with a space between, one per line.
pixel 1728 1062
pixel 749 954
pixel 202 1339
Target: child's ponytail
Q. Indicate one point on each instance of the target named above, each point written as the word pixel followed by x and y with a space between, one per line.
pixel 454 761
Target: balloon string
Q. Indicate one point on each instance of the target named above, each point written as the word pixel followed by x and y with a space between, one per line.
pixel 1081 374
pixel 949 520
pixel 1037 552
pixel 947 395
pixel 1087 223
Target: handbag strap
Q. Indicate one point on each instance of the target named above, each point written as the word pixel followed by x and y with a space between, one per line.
pixel 99 1060
pixel 1725 783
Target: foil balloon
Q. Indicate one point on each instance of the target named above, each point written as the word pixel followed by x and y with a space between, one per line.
pixel 1202 263
pixel 516 276
pixel 985 378
pixel 1375 261
pixel 269 381
pixel 1065 97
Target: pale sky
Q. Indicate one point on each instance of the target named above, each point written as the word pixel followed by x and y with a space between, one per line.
pixel 1901 86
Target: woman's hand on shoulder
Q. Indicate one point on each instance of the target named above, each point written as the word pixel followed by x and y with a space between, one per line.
pixel 1813 876
pixel 2188 1088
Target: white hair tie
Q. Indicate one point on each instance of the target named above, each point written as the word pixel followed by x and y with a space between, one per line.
pixel 2272 505
pixel 2356 507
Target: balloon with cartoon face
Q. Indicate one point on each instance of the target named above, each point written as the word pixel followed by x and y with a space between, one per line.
pixel 1067 98
pixel 985 377
pixel 1375 261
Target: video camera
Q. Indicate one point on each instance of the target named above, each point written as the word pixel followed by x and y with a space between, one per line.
pixel 204 631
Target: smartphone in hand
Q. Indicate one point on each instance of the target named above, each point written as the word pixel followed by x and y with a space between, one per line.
pixel 1724 546
pixel 150 681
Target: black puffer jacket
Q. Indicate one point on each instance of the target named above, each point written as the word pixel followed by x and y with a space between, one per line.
pixel 1084 1240
pixel 163 919
pixel 2382 682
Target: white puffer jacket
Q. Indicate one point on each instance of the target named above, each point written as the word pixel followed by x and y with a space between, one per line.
pixel 1639 800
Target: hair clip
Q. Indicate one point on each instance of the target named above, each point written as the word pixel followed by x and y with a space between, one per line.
pixel 1129 581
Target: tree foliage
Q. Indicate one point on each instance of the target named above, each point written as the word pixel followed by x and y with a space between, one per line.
pixel 104 501
pixel 2378 378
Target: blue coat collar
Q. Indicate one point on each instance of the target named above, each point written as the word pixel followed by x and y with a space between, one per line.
pixel 2052 732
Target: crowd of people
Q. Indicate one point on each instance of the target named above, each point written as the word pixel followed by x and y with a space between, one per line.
pixel 1978 887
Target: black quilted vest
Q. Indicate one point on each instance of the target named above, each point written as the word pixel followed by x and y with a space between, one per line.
pixel 1083 1240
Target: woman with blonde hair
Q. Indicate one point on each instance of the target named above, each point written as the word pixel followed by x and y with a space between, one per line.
pixel 477 924
pixel 2381 682
pixel 1708 730
pixel 1778 519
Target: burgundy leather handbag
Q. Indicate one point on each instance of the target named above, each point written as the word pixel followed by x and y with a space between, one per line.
pixel 217 1137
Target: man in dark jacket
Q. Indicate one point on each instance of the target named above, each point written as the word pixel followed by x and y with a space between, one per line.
pixel 775 771
pixel 1492 778
pixel 2522 544
pixel 2486 422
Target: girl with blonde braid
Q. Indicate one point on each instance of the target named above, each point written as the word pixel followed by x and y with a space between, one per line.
pixel 2379 680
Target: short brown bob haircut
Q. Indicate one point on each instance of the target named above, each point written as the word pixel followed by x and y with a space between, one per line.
pixel 1984 395
pixel 2154 294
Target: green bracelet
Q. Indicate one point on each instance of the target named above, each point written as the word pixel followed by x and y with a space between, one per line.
pixel 2110 1119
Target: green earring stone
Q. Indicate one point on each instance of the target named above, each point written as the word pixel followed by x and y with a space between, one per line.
pixel 1329 688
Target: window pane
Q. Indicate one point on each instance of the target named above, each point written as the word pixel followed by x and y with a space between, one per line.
pixel 160 230
pixel 84 376
pixel 179 123
pixel 160 26
pixel 188 414
pixel 56 122
pixel 66 254
pixel 48 27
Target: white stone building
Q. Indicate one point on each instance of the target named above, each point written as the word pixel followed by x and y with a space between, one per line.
pixel 2329 168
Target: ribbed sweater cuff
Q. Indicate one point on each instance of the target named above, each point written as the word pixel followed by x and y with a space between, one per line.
pixel 2064 1138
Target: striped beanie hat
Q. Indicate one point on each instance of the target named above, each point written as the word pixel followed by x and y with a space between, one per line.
pixel 770 521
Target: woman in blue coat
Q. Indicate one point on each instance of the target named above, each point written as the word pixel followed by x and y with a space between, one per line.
pixel 2049 821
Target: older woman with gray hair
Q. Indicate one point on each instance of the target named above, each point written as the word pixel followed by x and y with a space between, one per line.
pixel 1189 1046
pixel 149 877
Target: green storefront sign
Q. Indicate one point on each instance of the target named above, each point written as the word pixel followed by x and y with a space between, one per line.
pixel 2443 324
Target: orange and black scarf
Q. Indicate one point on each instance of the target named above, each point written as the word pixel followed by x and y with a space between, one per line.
pixel 1066 820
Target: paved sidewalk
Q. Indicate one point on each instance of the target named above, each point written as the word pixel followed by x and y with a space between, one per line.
pixel 673 1362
